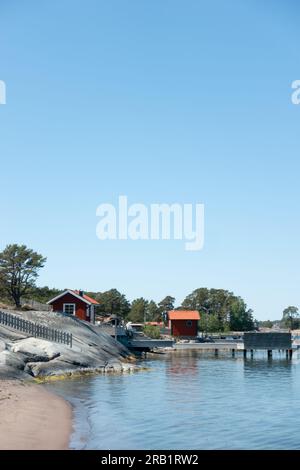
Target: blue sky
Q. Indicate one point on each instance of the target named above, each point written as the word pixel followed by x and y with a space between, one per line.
pixel 163 101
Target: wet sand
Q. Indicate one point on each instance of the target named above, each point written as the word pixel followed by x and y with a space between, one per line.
pixel 31 418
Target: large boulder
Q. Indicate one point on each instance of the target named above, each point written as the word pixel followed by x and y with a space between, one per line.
pixel 92 350
pixel 53 368
pixel 15 361
pixel 37 349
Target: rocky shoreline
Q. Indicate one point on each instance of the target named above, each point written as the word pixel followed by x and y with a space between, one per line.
pixel 92 351
pixel 26 407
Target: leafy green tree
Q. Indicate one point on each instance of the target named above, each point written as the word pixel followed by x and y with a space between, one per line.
pixel 19 268
pixel 153 312
pixel 166 304
pixel 209 323
pixel 199 299
pixel 112 302
pixel 241 318
pixel 290 317
pixel 220 310
pixel 138 312
pixel 43 294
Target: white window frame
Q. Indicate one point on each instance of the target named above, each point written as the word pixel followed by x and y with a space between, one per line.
pixel 74 311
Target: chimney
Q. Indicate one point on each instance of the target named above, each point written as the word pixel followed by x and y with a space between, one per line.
pixel 81 292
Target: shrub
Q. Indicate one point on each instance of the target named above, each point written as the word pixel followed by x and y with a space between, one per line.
pixel 152 331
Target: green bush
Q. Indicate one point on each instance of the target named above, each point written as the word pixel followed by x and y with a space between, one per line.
pixel 152 331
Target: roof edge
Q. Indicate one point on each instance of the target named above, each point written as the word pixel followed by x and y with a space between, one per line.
pixel 69 291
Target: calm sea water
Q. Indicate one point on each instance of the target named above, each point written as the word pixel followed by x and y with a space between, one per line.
pixel 190 401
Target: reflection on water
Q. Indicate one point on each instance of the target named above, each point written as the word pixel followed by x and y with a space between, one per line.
pixel 189 400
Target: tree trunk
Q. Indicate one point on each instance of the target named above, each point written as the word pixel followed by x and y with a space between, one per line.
pixel 17 300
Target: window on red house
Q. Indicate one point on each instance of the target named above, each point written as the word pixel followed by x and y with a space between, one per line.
pixel 70 309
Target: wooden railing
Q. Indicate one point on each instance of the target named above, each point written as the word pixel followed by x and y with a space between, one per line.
pixel 35 329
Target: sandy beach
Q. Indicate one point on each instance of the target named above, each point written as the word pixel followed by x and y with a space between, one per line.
pixel 31 418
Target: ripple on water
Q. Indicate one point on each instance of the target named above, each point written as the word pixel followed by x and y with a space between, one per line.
pixel 190 401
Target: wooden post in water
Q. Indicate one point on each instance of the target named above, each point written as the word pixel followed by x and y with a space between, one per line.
pixel 269 353
pixel 290 353
pixel 216 352
pixel 233 352
pixel 245 353
pixel 251 353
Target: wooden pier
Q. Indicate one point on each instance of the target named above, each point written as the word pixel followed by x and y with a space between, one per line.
pixel 148 344
pixel 212 347
pixel 268 342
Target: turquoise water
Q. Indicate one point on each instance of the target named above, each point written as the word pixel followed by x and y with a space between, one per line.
pixel 190 401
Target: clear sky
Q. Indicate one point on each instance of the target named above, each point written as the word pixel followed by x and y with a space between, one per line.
pixel 163 101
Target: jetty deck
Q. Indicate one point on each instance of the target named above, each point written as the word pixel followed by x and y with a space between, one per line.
pixel 252 341
pixel 149 344
pixel 226 346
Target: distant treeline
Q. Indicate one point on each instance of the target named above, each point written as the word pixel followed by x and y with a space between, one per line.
pixel 220 310
pixel 290 320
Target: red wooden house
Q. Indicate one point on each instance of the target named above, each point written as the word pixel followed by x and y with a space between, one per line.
pixel 184 323
pixel 75 302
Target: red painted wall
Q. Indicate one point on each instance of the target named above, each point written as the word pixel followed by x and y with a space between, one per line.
pixel 58 306
pixel 181 328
